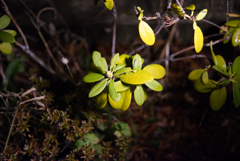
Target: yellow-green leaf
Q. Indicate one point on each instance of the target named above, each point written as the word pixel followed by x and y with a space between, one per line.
pixel 190 7
pixel 154 85
pixel 114 61
pixel 201 14
pixel 156 70
pixel 4 21
pixel 205 77
pixel 5 47
pixel 204 88
pixel 233 23
pixel 119 86
pixel 137 77
pixel 122 71
pixel 236 65
pixel 98 88
pixel 218 98
pixel 123 58
pixel 12 32
pixel 177 10
pixel 219 69
pixel 221 62
pixel 93 77
pixel 6 37
pixel 112 92
pixel 137 62
pixel 198 39
pixel 139 95
pixel 109 4
pixel 124 102
pixel 99 61
pixel 194 25
pixel 236 38
pixel 195 74
pixel 213 55
pixel 101 99
pixel 146 33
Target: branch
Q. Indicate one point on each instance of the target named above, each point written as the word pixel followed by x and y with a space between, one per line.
pixel 114 28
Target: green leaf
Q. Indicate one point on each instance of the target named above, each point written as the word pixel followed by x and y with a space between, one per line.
pixel 109 4
pixel 236 95
pixel 101 99
pixel 98 88
pixel 137 77
pixel 195 74
pixel 213 55
pixel 201 14
pixel 146 33
pixel 123 58
pixel 204 88
pixel 114 61
pixel 123 128
pixel 5 47
pixel 12 32
pixel 223 83
pixel 154 85
pixel 177 10
pixel 112 92
pixel 6 37
pixel 4 21
pixel 198 39
pixel 205 77
pixel 118 67
pixel 137 62
pixel 122 71
pixel 119 86
pixel 230 30
pixel 96 2
pixel 219 69
pixel 190 7
pixel 124 102
pixel 218 98
pixel 237 79
pixel 236 37
pixel 156 70
pixel 221 62
pixel 99 61
pixel 233 23
pixel 139 95
pixel 93 77
pixel 236 65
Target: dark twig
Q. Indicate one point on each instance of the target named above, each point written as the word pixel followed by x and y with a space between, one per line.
pixel 16 24
pixel 114 28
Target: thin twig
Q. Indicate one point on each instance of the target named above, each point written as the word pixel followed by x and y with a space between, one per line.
pixel 16 24
pixel 114 28
pixel 200 124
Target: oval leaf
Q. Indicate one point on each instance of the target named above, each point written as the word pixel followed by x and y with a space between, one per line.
pixel 154 85
pixel 122 71
pixel 219 69
pixel 156 70
pixel 114 61
pixel 112 92
pixel 138 77
pixel 205 77
pixel 190 7
pixel 204 88
pixel 101 99
pixel 198 39
pixel 93 77
pixel 146 33
pixel 201 14
pixel 194 25
pixel 236 65
pixel 4 21
pixel 237 79
pixel 12 32
pixel 177 10
pixel 233 23
pixel 123 58
pixel 139 95
pixel 119 86
pixel 99 61
pixel 218 98
pixel 213 55
pixel 137 62
pixel 195 74
pixel 6 37
pixel 6 48
pixel 236 38
pixel 221 62
pixel 109 4
pixel 236 95
pixel 98 88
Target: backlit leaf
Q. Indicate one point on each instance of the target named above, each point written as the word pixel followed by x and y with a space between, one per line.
pixel 213 55
pixel 122 71
pixel 201 14
pixel 190 7
pixel 93 77
pixel 154 85
pixel 198 39
pixel 112 92
pixel 146 33
pixel 204 88
pixel 219 69
pixel 236 65
pixel 124 102
pixel 138 77
pixel 233 23
pixel 119 86
pixel 4 21
pixel 12 32
pixel 137 62
pixel 221 62
pixel 236 95
pixel 114 60
pixel 205 77
pixel 156 70
pixel 101 99
pixel 5 47
pixel 195 74
pixel 118 67
pixel 98 88
pixel 177 10
pixel 194 25
pixel 236 38
pixel 139 95
pixel 218 98
pixel 6 37
pixel 108 4
pixel 237 79
pixel 123 58
pixel 99 61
